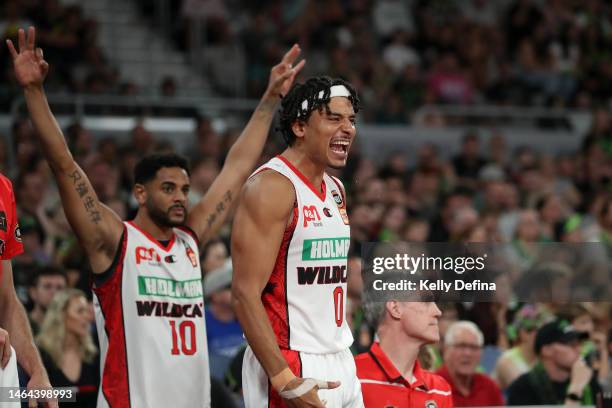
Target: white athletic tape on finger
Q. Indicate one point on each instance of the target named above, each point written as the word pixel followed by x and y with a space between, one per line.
pixel 303 388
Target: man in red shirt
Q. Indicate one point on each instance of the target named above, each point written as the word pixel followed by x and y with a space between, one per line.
pixel 390 374
pixel 13 319
pixel 462 349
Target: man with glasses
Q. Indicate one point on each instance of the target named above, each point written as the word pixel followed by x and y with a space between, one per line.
pixel 462 349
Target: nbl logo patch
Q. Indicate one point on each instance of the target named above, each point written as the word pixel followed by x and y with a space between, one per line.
pixel 3 221
pixel 337 198
pixel 2 246
pixel 191 256
pixel 17 233
pixel 431 404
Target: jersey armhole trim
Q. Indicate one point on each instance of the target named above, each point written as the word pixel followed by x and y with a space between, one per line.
pixel 100 278
pixel 191 232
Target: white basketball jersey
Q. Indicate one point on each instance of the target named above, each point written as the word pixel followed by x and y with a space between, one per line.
pixel 305 297
pixel 150 319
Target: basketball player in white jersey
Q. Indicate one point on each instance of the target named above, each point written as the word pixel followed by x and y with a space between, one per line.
pixel 290 244
pixel 147 279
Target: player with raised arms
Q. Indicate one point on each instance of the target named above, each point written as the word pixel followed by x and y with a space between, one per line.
pixel 147 277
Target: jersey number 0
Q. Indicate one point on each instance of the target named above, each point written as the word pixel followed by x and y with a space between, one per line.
pixel 339 305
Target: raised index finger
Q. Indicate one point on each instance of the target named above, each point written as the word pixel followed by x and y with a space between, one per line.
pixel 292 54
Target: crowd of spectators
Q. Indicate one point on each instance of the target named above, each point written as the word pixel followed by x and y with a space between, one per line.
pixel 400 54
pixel 70 43
pixel 418 52
pixel 403 54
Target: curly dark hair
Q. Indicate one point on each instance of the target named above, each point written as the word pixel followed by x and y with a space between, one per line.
pixel 291 105
pixel 146 169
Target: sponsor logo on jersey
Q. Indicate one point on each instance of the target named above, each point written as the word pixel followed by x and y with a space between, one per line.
pixel 149 255
pixel 192 257
pixel 17 233
pixel 167 309
pixel 3 221
pixel 154 286
pixel 321 275
pixel 337 198
pixel 311 214
pixel 325 249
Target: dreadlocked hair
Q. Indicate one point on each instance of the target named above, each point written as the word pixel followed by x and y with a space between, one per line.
pixel 291 105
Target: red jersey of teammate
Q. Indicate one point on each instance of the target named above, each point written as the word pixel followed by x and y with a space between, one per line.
pixel 383 386
pixel 10 237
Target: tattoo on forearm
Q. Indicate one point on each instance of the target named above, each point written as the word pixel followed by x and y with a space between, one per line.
pixel 88 201
pixel 90 207
pixel 82 189
pixel 75 176
pixel 219 208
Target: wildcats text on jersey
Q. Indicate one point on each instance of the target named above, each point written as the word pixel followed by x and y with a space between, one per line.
pixel 167 309
pixel 324 275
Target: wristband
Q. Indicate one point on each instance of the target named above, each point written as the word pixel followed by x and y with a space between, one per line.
pixel 280 380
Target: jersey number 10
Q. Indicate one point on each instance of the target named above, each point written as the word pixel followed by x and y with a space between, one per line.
pixel 187 334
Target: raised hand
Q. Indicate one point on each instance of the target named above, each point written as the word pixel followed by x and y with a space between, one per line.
pixel 283 74
pixel 30 67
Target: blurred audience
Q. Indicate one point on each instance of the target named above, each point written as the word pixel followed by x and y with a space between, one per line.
pixel 46 282
pixel 462 350
pixel 561 377
pixel 67 348
pixel 224 334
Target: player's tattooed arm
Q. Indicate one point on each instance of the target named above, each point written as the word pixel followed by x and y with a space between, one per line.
pixel 97 227
pixel 211 212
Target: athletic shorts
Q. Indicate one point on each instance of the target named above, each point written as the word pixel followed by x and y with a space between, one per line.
pixel 340 366
pixel 10 378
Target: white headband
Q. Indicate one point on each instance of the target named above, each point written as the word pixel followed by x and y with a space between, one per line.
pixel 336 90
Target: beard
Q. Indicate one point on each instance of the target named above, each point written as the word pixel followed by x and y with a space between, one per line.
pixel 162 218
